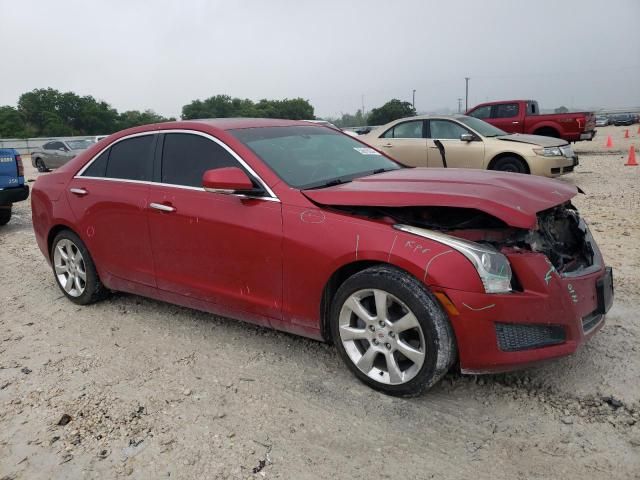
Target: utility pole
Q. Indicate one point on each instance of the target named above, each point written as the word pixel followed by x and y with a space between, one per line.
pixel 466 93
pixel 413 102
pixel 362 99
pixel 459 104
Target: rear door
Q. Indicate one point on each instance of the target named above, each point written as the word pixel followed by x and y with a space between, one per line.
pixel 459 154
pixel 109 200
pixel 405 142
pixel 224 249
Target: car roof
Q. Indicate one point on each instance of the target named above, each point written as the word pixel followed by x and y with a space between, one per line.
pixel 233 123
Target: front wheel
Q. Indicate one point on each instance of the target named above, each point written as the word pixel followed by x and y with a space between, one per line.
pixel 74 269
pixel 391 332
pixel 40 165
pixel 510 164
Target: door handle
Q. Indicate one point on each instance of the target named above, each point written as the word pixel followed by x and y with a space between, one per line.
pixel 515 123
pixel 387 145
pixel 162 207
pixel 81 192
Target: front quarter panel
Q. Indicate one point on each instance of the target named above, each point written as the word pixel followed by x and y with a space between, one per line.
pixel 318 242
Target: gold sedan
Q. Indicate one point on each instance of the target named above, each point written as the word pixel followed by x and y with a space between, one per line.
pixel 459 141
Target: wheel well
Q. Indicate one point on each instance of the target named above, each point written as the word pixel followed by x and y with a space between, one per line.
pixel 547 132
pixel 52 234
pixel 505 155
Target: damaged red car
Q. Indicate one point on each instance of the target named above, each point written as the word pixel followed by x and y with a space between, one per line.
pixel 301 228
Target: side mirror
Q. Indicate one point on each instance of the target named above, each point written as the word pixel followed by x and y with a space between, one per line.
pixel 227 180
pixel 466 137
pixel 63 149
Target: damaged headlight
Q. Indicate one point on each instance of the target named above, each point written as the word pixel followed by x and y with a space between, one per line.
pixel 492 266
pixel 548 151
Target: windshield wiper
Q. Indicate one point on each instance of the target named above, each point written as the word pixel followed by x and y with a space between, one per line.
pixel 330 183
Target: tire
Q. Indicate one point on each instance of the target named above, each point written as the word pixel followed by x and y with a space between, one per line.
pixel 5 214
pixel 373 348
pixel 67 265
pixel 41 166
pixel 510 164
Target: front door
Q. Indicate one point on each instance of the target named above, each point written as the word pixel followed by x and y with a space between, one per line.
pixel 507 117
pixel 458 153
pixel 220 248
pixel 109 200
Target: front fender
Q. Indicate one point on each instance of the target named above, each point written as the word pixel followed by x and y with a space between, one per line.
pixel 317 243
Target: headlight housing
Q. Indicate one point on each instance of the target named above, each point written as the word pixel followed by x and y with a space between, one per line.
pixel 492 266
pixel 548 151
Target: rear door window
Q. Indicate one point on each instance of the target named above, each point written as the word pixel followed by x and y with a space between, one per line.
pixel 132 159
pixel 186 156
pixel 98 167
pixel 413 129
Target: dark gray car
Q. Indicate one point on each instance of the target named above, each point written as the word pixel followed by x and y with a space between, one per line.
pixel 56 153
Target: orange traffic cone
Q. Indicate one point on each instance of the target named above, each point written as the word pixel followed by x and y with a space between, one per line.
pixel 631 162
pixel 626 133
pixel 609 143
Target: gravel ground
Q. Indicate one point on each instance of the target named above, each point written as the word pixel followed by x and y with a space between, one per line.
pixel 139 388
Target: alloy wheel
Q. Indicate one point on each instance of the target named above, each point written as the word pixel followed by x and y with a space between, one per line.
pixel 70 267
pixel 382 336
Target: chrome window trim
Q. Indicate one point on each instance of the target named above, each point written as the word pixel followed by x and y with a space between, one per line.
pixel 272 196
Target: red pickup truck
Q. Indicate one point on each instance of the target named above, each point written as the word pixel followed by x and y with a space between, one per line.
pixel 523 116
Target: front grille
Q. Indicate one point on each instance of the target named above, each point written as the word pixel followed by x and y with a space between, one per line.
pixel 591 321
pixel 555 170
pixel 515 337
pixel 567 169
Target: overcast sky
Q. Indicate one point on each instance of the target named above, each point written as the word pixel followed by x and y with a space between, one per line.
pixel 162 54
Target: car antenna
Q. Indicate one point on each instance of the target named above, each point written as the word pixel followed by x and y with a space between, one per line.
pixel 441 150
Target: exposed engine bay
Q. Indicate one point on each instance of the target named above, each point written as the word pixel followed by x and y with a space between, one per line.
pixel 561 234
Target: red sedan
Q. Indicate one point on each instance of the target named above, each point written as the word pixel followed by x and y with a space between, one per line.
pixel 301 228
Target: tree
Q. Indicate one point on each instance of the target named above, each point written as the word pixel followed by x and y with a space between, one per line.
pixel 224 106
pixel 12 124
pixel 390 111
pixel 349 120
pixel 49 112
pixel 561 109
pixel 134 118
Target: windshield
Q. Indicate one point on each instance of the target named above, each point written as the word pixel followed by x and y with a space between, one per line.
pixel 483 128
pixel 312 157
pixel 79 144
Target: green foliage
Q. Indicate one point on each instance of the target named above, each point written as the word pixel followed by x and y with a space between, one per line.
pixel 12 124
pixel 349 120
pixel 49 112
pixel 224 106
pixel 390 111
pixel 134 118
pixel 561 109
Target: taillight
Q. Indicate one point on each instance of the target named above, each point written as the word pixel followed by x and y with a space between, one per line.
pixel 20 166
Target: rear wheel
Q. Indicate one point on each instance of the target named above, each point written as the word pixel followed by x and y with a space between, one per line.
pixel 391 331
pixel 40 165
pixel 5 214
pixel 510 164
pixel 74 270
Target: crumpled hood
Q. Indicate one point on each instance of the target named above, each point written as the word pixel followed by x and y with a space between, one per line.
pixel 514 198
pixel 534 140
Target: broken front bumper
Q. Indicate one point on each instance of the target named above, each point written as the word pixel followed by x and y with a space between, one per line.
pixel 550 317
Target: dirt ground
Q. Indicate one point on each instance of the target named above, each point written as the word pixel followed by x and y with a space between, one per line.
pixel 151 390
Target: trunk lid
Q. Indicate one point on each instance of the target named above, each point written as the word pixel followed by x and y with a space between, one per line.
pixel 512 197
